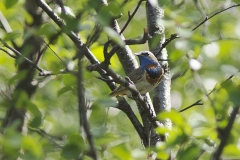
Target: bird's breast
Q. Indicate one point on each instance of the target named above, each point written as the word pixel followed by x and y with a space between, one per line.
pixel 154 74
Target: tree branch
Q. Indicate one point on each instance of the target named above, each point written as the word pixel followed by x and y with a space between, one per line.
pixel 42 72
pixel 130 16
pixel 213 90
pixel 142 40
pixel 89 55
pixel 167 41
pixel 226 133
pixel 83 109
pixel 218 12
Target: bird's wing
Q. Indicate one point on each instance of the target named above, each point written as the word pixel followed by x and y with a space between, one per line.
pixel 135 76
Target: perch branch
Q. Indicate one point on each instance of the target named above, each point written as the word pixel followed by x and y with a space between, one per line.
pixel 79 44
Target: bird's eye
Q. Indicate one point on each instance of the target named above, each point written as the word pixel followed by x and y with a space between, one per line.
pixel 145 54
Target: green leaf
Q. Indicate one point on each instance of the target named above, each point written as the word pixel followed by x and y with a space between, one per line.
pixel 73 148
pixel 10 3
pixel 121 152
pixel 64 90
pixel 21 99
pixel 174 116
pixel 232 151
pixel 190 151
pixel 155 40
pixel 11 36
pixel 36 121
pixel 47 30
pixel 19 76
pixel 233 92
pixel 32 151
pixel 114 36
pixel 69 80
pixel 71 151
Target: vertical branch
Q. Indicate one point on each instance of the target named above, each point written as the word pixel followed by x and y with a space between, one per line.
pixel 31 47
pixel 161 96
pixel 129 62
pixel 82 109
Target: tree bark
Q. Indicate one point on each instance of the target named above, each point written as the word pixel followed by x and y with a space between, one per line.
pixel 161 96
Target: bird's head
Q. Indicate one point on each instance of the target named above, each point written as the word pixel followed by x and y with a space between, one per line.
pixel 146 58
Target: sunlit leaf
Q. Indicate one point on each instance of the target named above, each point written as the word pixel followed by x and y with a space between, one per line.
pixel 114 36
pixel 30 148
pixel 10 3
pixel 174 116
pixel 69 80
pixel 190 151
pixel 64 90
pixel 11 36
pixel 232 151
pixel 121 152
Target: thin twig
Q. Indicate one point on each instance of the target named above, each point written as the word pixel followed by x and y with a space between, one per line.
pixel 198 103
pixel 18 54
pixel 173 36
pixel 54 53
pixel 199 8
pixel 42 72
pixel 15 57
pixel 142 40
pixel 130 16
pixel 218 12
pixel 213 90
pixel 49 137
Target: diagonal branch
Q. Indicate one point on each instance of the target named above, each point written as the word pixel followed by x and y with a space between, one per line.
pixel 80 45
pixel 218 12
pixel 226 133
pixel 213 90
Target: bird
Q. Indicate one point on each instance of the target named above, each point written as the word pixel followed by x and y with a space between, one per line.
pixel 146 77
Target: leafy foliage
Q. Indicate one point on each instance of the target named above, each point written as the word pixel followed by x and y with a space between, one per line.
pixel 53 119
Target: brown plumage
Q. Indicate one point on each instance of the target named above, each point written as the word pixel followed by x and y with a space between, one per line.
pixel 145 78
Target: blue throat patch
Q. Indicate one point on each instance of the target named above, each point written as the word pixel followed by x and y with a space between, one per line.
pixel 153 69
pixel 144 61
pixel 154 72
